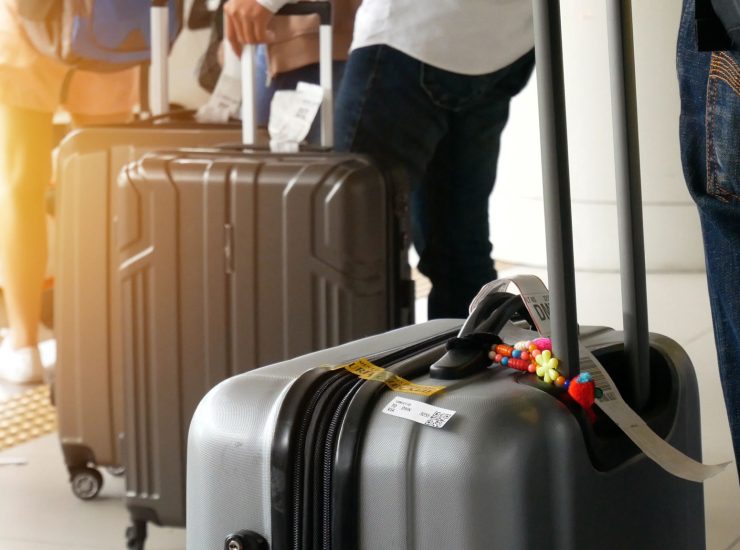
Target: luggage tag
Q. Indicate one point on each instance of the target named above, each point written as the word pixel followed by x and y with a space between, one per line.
pixel 534 293
pixel 402 407
pixel 536 298
pixel 666 456
pixel 226 98
pixel 418 411
pixel 291 114
pixel 363 368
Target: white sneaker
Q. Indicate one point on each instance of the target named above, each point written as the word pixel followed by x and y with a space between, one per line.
pixel 20 366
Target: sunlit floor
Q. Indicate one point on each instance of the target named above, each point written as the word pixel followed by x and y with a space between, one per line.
pixel 38 510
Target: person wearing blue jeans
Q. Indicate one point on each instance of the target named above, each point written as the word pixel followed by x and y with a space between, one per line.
pixel 435 102
pixel 709 83
pixel 427 87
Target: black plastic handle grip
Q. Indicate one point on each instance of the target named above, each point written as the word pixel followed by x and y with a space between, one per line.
pixel 321 8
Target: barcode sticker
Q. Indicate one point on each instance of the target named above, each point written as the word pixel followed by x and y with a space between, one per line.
pixel 423 413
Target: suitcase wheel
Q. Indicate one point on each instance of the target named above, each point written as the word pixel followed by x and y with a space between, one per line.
pixel 86 482
pixel 136 535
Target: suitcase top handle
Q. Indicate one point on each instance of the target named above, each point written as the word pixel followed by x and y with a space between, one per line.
pixel 556 185
pixel 249 98
pixel 468 353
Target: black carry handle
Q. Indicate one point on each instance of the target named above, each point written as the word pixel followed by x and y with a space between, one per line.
pixel 322 9
pixel 556 185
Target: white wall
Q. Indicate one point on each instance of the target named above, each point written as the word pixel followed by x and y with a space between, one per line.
pixel 673 240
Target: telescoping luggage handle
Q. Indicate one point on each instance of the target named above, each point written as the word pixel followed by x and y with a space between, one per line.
pixel 159 75
pixel 249 99
pixel 556 184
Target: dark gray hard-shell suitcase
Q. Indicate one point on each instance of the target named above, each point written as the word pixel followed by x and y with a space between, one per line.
pixel 234 258
pixel 303 456
pixel 88 386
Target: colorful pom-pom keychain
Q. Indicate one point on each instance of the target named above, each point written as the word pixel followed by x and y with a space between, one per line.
pixel 536 357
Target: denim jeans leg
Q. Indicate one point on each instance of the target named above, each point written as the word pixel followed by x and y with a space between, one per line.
pixel 710 141
pixel 457 254
pixel 381 111
pixel 444 129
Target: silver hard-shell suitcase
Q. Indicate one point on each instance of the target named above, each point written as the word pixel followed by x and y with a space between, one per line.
pixel 301 455
pixel 514 468
pixel 88 386
pixel 233 258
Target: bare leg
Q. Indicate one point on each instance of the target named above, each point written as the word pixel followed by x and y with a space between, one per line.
pixel 25 170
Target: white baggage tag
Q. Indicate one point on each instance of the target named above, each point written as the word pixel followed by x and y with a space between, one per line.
pixel 226 98
pixel 534 293
pixel 420 412
pixel 667 457
pixel 291 114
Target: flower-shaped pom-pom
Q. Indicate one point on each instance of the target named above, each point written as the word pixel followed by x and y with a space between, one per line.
pixel 547 367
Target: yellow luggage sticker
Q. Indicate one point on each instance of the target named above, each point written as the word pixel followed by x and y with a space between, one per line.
pixel 367 371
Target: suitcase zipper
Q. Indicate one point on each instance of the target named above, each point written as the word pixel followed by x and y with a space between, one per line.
pixel 294 528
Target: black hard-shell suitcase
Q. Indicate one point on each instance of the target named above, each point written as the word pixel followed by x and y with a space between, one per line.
pixel 311 453
pixel 234 258
pixel 88 385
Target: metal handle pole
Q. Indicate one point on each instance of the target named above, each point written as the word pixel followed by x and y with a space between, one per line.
pixel 556 183
pixel 629 199
pixel 159 74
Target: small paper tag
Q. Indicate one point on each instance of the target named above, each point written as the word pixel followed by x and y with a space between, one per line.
pixel 423 413
pixel 368 371
pixel 292 112
pixel 227 95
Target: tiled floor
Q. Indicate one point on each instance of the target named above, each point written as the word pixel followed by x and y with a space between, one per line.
pixel 38 510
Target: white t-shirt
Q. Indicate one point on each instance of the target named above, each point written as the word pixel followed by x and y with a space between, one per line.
pixel 462 36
